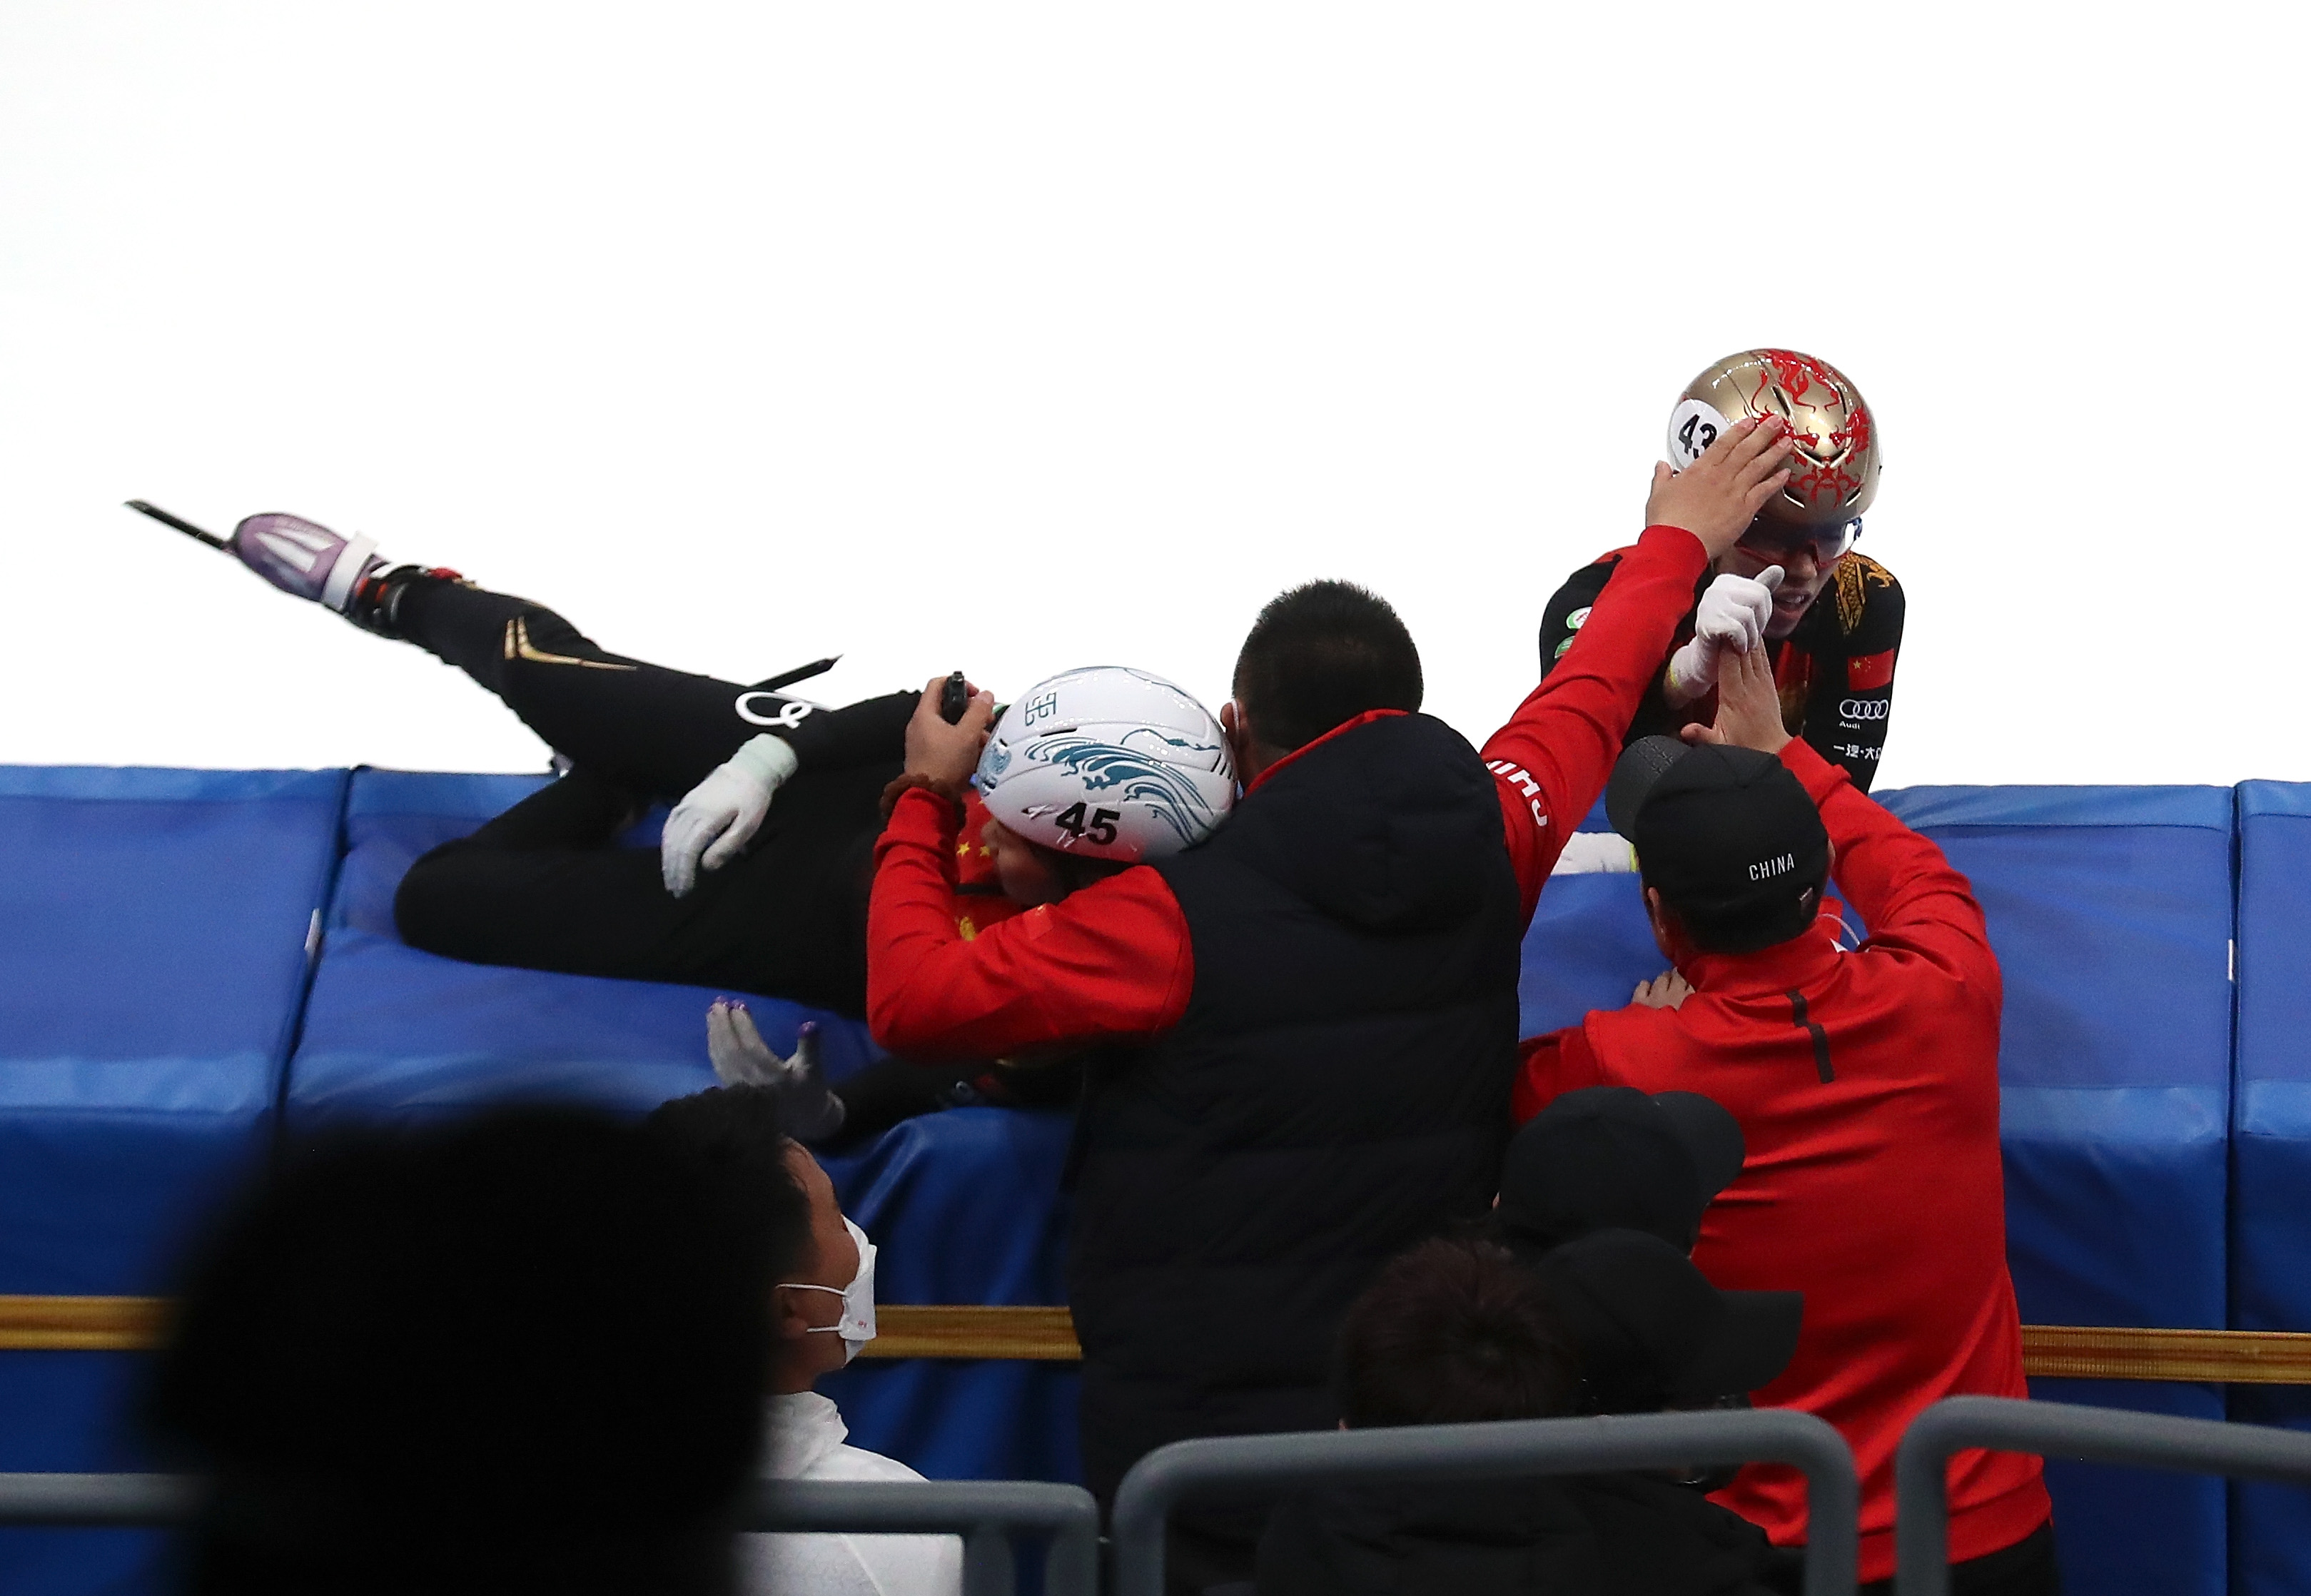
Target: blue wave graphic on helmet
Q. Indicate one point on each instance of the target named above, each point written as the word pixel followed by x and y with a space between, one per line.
pixel 1129 774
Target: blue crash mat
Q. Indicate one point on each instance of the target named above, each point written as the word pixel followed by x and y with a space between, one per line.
pixel 963 1205
pixel 2110 909
pixel 2271 1152
pixel 153 934
pixel 395 1033
pixel 153 967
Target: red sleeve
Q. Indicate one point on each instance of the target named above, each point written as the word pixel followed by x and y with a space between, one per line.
pixel 1552 758
pixel 1548 1067
pixel 1110 960
pixel 1904 889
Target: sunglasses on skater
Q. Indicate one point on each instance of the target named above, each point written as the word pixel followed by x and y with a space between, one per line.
pixel 1778 543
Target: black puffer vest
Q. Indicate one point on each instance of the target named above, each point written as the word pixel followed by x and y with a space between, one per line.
pixel 1337 1090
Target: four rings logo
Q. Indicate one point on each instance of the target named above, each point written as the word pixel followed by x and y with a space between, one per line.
pixel 1863 708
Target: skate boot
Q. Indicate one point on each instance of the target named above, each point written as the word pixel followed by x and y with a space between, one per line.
pixel 305 558
pixel 345 574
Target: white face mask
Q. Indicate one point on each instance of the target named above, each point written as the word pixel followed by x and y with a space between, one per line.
pixel 856 1325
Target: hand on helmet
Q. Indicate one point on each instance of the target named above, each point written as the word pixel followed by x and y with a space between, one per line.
pixel 1717 496
pixel 948 754
pixel 1732 616
pixel 807 1110
pixel 717 818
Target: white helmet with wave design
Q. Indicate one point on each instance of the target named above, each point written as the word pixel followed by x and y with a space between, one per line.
pixel 1107 763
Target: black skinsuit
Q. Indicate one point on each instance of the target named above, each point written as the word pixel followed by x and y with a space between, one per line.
pixel 542 887
pixel 1836 670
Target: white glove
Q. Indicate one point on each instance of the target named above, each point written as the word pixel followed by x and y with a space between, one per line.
pixel 1595 853
pixel 807 1110
pixel 723 810
pixel 1732 614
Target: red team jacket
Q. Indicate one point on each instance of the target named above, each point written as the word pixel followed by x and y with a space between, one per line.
pixel 1115 960
pixel 978 893
pixel 1866 1084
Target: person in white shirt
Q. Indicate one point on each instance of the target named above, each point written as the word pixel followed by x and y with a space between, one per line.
pixel 822 1312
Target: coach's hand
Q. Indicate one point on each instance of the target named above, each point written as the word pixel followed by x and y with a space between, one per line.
pixel 717 818
pixel 1731 617
pixel 1717 496
pixel 1749 707
pixel 946 754
pixel 1669 989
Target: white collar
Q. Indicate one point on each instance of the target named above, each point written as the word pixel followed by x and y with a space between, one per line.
pixel 804 1427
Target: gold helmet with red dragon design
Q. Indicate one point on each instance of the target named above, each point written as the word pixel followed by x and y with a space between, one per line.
pixel 1834 468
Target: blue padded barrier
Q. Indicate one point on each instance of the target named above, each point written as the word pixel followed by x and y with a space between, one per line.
pixel 152 911
pixel 153 926
pixel 1587 934
pixel 2270 1158
pixel 394 1032
pixel 963 1205
pixel 2110 909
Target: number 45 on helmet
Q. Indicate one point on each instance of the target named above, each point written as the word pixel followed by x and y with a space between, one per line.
pixel 1107 763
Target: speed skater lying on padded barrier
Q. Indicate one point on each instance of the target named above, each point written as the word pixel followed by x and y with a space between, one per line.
pixel 745 894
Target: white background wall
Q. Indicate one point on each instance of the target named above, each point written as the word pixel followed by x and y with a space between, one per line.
pixel 1018 337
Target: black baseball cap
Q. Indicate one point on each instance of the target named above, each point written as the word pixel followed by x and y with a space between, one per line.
pixel 1612 1157
pixel 1727 835
pixel 1652 1332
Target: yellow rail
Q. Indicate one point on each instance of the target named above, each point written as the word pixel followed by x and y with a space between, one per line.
pixel 2081 1352
pixel 81 1324
pixel 1044 1334
pixel 2232 1357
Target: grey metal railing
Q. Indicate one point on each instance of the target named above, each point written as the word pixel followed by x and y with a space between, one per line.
pixel 2062 1430
pixel 1238 1467
pixel 96 1501
pixel 985 1512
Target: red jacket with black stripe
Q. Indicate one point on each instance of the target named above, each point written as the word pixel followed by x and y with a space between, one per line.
pixel 1866 1084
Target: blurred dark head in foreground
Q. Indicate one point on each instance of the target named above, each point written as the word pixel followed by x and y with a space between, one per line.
pixel 526 1353
pixel 1454 1331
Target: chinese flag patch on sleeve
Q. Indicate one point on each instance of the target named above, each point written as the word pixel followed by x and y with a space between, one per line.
pixel 1866 673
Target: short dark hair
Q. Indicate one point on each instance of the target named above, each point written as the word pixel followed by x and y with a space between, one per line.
pixel 1455 1331
pixel 524 1352
pixel 1320 655
pixel 736 1136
